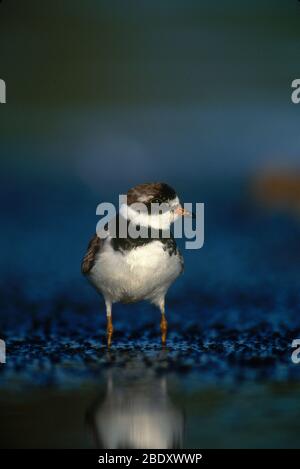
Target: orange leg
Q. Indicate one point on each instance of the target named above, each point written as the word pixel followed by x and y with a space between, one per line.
pixel 163 328
pixel 109 330
pixel 109 327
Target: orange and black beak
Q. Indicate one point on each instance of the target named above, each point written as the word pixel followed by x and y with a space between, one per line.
pixel 184 212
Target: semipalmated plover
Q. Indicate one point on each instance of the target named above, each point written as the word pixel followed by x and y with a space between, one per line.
pixel 130 269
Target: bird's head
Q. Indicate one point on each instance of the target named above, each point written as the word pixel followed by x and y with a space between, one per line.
pixel 154 205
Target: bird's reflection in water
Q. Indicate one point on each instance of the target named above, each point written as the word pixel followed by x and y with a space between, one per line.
pixel 136 411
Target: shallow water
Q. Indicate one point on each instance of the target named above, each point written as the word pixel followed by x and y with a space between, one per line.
pixel 143 398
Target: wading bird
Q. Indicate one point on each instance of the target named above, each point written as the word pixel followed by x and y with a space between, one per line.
pixel 130 269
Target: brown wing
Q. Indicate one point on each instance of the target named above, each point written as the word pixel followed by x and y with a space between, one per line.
pixel 89 259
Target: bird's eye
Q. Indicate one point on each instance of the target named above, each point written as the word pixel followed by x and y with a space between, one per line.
pixel 155 200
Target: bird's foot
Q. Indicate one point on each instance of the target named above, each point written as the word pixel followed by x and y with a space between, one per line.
pixel 164 329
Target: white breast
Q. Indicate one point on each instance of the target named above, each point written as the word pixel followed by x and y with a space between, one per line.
pixel 145 272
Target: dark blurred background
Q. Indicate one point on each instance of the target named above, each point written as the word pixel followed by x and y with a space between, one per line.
pixel 102 95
